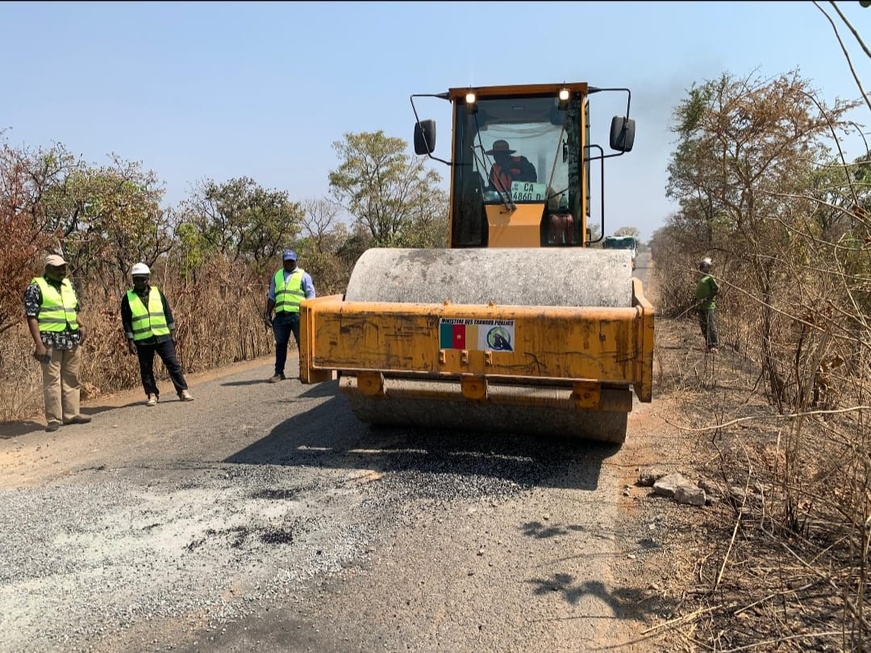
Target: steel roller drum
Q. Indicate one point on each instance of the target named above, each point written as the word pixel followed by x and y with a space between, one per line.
pixel 511 277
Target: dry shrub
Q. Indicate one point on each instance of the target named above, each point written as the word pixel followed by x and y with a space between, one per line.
pixel 780 557
pixel 783 564
pixel 218 319
pixel 20 388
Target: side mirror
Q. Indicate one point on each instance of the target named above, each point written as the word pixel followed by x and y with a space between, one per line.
pixel 424 137
pixel 622 134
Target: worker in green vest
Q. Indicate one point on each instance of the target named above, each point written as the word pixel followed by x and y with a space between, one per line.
pixel 706 305
pixel 150 328
pixel 52 310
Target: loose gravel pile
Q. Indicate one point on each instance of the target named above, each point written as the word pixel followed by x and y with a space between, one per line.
pixel 117 551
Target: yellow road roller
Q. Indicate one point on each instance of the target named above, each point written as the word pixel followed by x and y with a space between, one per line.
pixel 519 324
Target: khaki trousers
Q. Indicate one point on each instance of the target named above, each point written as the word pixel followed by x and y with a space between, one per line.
pixel 61 384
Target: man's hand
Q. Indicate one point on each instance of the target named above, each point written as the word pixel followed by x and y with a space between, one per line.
pixel 267 320
pixel 40 353
pixel 131 348
pixel 83 334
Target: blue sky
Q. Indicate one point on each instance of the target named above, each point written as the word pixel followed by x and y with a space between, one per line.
pixel 221 90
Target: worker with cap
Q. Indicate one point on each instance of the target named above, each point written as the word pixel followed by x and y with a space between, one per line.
pixel 706 305
pixel 149 328
pixel 52 310
pixel 507 168
pixel 287 288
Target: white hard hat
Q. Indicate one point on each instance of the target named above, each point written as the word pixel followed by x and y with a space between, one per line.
pixel 705 261
pixel 139 269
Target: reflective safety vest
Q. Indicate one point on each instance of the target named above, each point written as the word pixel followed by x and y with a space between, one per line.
pixel 288 295
pixel 147 322
pixel 58 308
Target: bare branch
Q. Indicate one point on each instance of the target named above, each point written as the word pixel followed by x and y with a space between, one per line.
pixel 852 29
pixel 846 54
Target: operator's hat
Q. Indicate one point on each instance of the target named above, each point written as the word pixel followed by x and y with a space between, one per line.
pixel 289 255
pixel 500 146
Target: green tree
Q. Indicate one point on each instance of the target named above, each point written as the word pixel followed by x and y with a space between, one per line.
pixel 428 223
pixel 242 221
pixel 111 217
pixel 323 236
pixel 190 251
pixel 389 193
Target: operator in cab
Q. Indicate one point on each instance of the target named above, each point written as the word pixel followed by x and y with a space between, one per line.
pixel 507 168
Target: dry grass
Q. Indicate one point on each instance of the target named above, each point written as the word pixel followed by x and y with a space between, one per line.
pixel 218 321
pixel 778 562
pixel 20 389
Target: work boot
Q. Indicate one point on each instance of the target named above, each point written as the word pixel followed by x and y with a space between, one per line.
pixel 152 401
pixel 52 426
pixel 277 378
pixel 79 419
pixel 184 395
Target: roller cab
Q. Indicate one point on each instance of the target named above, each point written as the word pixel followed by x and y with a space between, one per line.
pixel 519 324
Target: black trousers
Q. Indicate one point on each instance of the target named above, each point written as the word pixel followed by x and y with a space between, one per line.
pixel 283 325
pixel 166 351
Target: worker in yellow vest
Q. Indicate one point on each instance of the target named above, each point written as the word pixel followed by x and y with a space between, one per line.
pixel 150 328
pixel 52 310
pixel 287 288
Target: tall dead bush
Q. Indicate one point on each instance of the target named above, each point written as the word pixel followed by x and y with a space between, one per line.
pixel 763 188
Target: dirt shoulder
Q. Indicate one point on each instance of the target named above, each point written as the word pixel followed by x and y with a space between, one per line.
pixel 133 396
